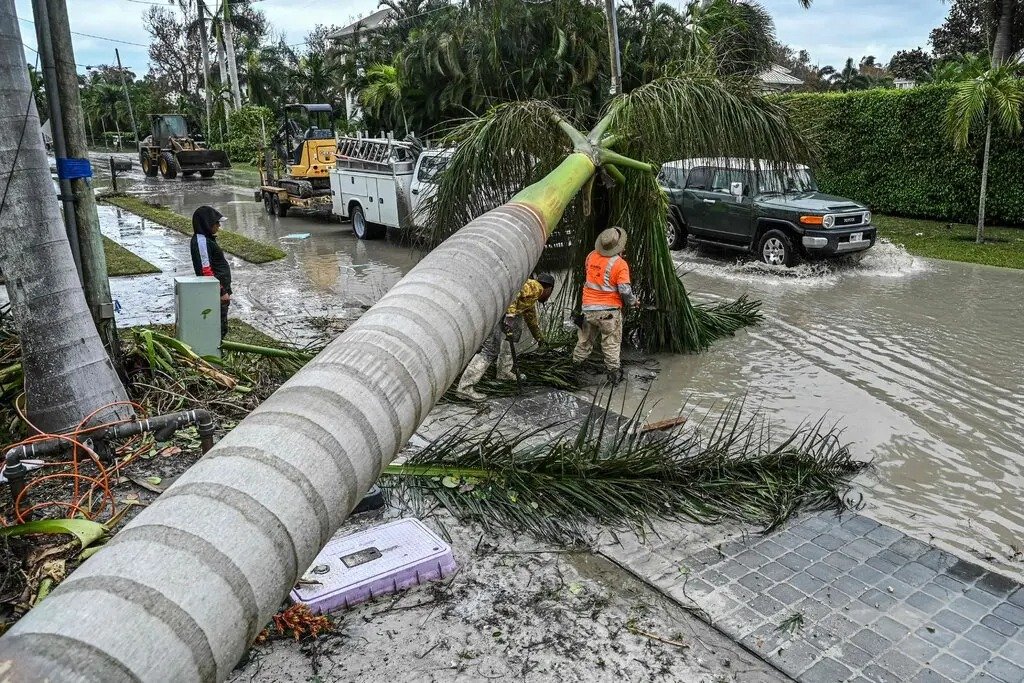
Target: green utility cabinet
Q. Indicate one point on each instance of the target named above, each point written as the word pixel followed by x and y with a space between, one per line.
pixel 197 313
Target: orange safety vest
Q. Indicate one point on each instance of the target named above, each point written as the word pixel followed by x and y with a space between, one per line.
pixel 604 275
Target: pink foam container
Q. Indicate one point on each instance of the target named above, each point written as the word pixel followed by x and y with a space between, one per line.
pixel 378 561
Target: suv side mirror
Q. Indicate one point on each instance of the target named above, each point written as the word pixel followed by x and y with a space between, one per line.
pixel 736 189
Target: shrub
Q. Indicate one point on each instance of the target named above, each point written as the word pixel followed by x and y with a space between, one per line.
pixel 247 126
pixel 888 148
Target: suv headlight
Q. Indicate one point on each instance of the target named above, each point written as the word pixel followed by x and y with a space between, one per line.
pixel 829 221
pixel 867 217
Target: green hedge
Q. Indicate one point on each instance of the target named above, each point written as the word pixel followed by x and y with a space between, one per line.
pixel 888 148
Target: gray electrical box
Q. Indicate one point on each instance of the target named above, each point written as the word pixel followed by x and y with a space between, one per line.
pixel 197 313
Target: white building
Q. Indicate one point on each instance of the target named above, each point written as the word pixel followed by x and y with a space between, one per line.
pixel 904 83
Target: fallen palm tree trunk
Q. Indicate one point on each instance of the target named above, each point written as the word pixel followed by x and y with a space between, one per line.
pixel 183 590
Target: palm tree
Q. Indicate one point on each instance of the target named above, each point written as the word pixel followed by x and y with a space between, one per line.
pixel 383 92
pixel 850 78
pixel 993 98
pixel 251 516
pixel 67 371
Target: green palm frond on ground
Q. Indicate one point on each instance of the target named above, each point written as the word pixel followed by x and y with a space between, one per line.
pixel 607 473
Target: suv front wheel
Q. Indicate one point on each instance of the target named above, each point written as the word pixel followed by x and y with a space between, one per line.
pixel 776 249
pixel 675 233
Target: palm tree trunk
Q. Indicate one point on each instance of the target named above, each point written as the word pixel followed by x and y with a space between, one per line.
pixel 224 78
pixel 247 520
pixel 67 371
pixel 204 45
pixel 229 45
pixel 984 182
pixel 1001 44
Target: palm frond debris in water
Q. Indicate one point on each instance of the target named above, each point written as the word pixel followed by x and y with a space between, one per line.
pixel 561 487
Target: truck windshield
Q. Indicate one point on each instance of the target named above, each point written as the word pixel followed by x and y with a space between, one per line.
pixel 794 181
pixel 430 166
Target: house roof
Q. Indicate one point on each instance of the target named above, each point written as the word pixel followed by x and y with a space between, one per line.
pixel 370 22
pixel 777 74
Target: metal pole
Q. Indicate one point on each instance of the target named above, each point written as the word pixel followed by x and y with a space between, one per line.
pixel 127 96
pixel 613 47
pixel 60 150
pixel 90 239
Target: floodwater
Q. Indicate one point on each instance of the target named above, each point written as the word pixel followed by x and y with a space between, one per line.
pixel 328 273
pixel 921 361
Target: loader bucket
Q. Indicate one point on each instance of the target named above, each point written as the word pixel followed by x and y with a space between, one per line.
pixel 203 160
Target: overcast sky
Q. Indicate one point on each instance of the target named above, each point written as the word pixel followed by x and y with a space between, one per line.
pixel 831 30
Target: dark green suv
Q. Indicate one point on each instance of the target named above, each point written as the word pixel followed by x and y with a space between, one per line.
pixel 775 212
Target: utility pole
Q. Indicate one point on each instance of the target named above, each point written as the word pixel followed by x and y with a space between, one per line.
pixel 51 18
pixel 60 150
pixel 127 96
pixel 613 47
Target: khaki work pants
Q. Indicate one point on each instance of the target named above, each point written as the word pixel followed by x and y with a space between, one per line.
pixel 608 326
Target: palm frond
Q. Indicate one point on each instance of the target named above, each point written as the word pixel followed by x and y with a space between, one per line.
pixel 606 472
pixel 513 145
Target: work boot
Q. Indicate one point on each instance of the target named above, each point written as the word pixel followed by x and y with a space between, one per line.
pixel 614 376
pixel 506 370
pixel 470 376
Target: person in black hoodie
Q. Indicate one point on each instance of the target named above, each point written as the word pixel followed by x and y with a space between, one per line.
pixel 208 258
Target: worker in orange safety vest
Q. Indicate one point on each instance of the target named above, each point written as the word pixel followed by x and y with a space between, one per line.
pixel 605 292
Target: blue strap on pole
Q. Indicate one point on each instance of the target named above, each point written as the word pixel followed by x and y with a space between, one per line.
pixel 73 169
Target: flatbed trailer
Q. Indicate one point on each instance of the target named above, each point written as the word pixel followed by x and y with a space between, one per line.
pixel 278 200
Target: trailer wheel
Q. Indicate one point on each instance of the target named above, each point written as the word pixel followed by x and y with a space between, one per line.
pixel 268 204
pixel 207 173
pixel 148 167
pixel 362 229
pixel 280 208
pixel 168 166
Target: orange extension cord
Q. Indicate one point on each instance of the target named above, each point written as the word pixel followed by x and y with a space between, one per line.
pixel 81 503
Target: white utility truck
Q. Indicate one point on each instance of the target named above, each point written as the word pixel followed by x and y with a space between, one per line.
pixel 379 183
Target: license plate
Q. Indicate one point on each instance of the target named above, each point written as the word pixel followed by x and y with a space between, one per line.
pixel 856 236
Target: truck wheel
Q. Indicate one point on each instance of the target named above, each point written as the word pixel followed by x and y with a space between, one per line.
pixel 268 204
pixel 362 229
pixel 168 166
pixel 280 209
pixel 675 233
pixel 776 249
pixel 148 167
pixel 207 173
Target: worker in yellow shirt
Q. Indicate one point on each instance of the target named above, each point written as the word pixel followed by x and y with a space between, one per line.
pixel 498 346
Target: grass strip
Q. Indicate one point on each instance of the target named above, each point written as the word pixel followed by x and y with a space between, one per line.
pixel 232 242
pixel 1003 247
pixel 122 262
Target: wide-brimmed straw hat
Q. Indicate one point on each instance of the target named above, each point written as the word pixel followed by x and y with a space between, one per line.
pixel 611 242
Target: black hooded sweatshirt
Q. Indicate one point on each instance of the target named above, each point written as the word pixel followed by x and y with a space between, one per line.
pixel 207 257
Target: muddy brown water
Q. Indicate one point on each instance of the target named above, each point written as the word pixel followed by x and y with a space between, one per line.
pixel 921 361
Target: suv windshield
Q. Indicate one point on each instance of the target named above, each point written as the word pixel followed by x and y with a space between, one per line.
pixel 793 181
